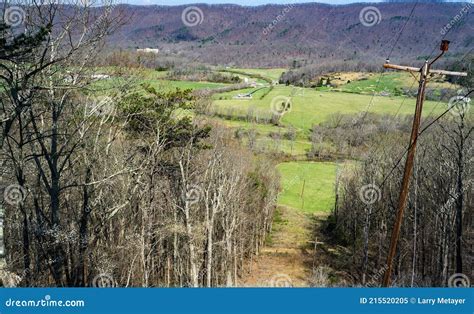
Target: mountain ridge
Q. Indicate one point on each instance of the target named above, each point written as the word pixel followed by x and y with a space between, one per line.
pixel 276 35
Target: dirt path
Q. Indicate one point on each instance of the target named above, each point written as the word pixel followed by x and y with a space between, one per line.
pixel 289 257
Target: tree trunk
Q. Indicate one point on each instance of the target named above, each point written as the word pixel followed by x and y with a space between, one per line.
pixel 459 201
pixel 210 231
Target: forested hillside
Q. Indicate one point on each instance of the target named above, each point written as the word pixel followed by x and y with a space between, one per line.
pixel 279 35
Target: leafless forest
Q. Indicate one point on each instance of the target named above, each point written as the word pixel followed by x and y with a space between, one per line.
pixel 145 189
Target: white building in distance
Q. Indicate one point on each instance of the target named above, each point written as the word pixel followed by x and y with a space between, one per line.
pixel 149 50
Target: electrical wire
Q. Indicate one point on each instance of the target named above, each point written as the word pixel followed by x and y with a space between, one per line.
pixel 388 57
pixel 416 139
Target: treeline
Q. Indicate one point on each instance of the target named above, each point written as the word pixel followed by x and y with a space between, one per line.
pixel 436 240
pixel 190 73
pixel 134 59
pixel 350 136
pixel 178 68
pixel 309 76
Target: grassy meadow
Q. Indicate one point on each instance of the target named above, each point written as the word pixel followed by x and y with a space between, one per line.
pixel 310 107
pixel 351 94
pixel 308 186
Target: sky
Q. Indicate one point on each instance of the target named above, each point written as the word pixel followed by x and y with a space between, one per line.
pixel 253 2
pixel 241 2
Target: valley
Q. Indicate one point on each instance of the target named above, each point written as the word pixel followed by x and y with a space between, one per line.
pixel 220 145
pixel 296 252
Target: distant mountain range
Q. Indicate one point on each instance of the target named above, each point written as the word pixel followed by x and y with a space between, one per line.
pixel 281 35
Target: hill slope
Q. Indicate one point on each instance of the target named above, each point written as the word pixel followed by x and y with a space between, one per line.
pixel 277 35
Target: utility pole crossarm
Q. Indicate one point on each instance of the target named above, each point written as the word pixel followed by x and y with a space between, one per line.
pixel 401 67
pixel 443 72
pixel 413 69
pixel 404 191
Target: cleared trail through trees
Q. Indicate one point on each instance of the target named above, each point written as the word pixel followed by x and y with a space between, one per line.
pixel 297 253
pixel 288 259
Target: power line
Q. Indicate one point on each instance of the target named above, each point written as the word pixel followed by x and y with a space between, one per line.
pixel 421 132
pixel 429 115
pixel 444 36
pixel 403 28
pixel 404 190
pixel 441 115
pixel 434 108
pixel 388 57
pixel 404 99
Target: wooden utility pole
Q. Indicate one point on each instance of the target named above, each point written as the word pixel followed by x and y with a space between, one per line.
pixel 402 200
pixel 302 194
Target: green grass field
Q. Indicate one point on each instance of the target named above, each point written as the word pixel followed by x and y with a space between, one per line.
pixel 259 92
pixel 299 147
pixel 378 83
pixel 167 84
pixel 308 107
pixel 390 82
pixel 161 84
pixel 312 107
pixel 318 180
pixel 157 79
pixel 273 74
